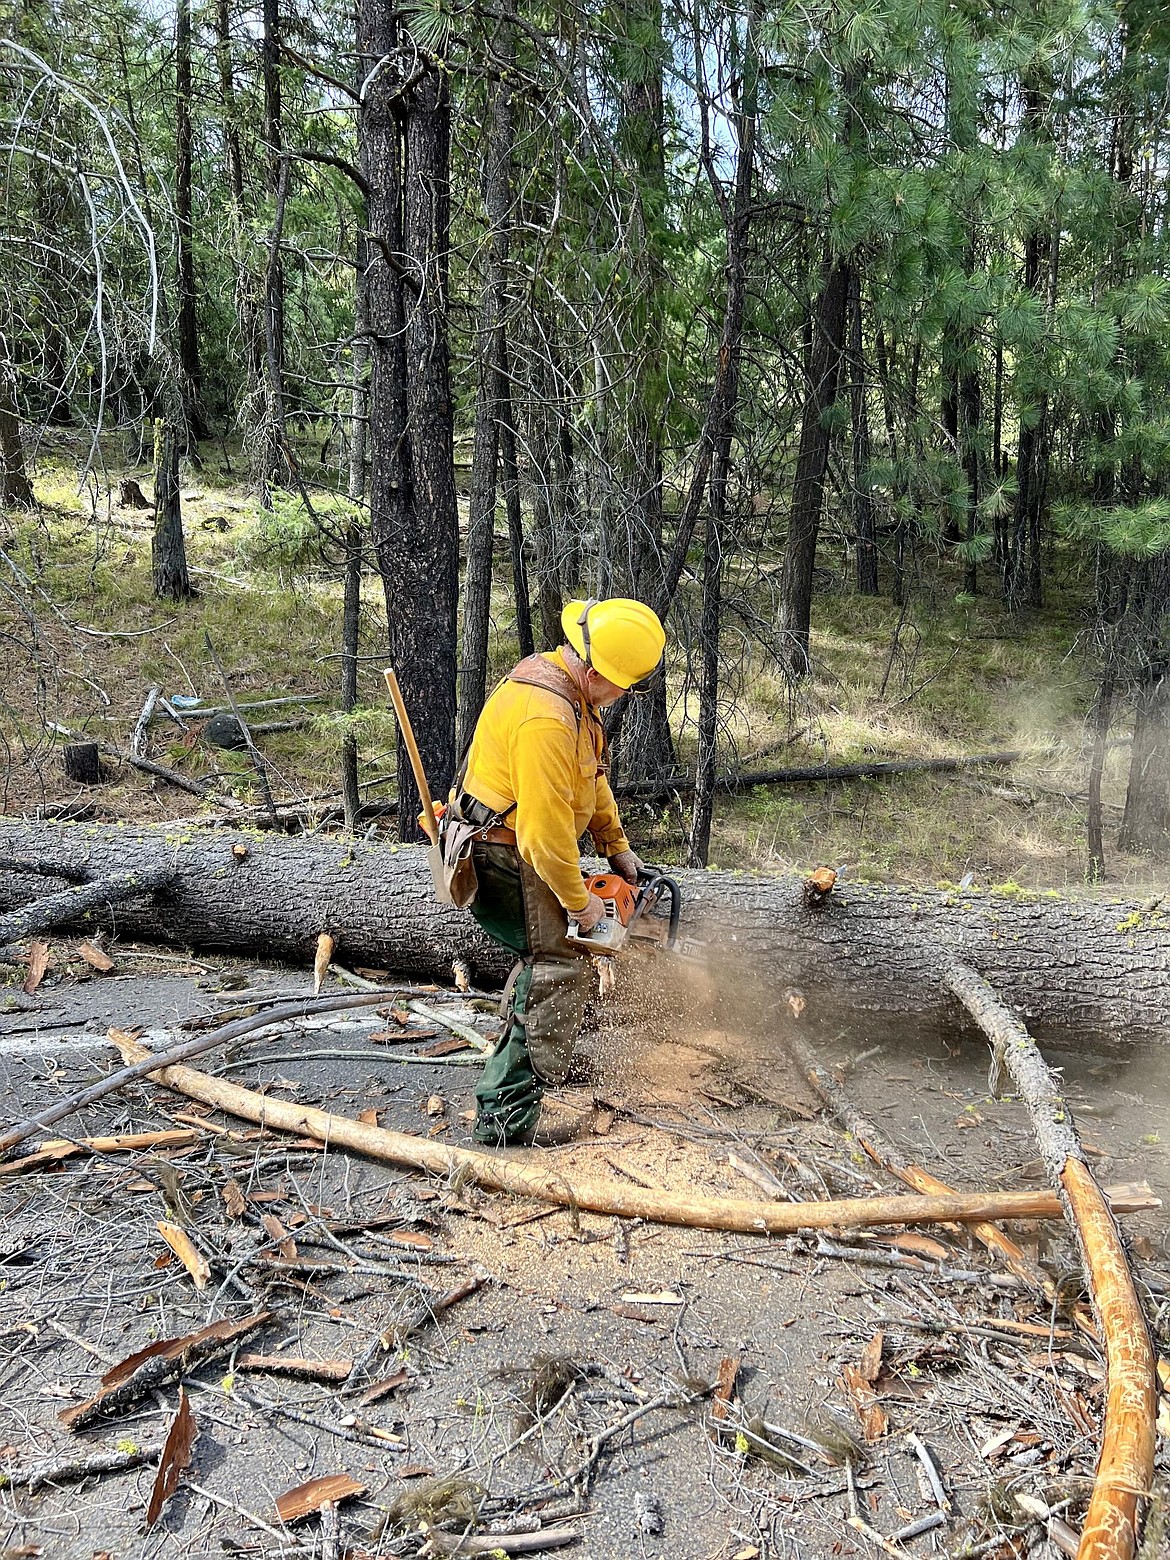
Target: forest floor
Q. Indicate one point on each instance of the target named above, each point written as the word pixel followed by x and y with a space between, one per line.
pixel 537 1388
pixel 573 1382
pixel 953 675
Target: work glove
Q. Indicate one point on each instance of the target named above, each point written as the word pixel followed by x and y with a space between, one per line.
pixel 593 912
pixel 627 864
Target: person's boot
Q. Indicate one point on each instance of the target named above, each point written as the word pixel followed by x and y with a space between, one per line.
pixel 559 1121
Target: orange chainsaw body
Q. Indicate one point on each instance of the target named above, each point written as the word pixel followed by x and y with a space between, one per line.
pixel 615 891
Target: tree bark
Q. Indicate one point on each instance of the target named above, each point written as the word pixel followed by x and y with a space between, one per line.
pixel 528 1179
pixel 738 220
pixel 1125 1465
pixel 864 519
pixel 15 488
pixel 812 459
pixel 186 324
pixel 1074 968
pixel 247 301
pixel 404 134
pixel 481 523
pixel 66 907
pixel 168 552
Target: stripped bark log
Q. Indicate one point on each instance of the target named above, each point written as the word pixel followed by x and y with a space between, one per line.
pixel 500 1174
pixel 1125 1466
pixel 1076 966
pixel 884 1152
pixel 72 903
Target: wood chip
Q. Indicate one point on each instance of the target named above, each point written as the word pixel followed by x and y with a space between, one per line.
pixel 38 963
pixel 307 1498
pixel 870 1413
pixel 276 1230
pixel 175 1459
pixel 870 1364
pixel 180 1243
pixel 233 1199
pixel 724 1387
pixel 415 1471
pixel 446 1047
pixel 413 1238
pixel 96 956
pixel 380 1389
pixel 368 1117
pixel 322 960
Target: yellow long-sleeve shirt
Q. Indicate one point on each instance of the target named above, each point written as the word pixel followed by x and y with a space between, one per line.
pixel 529 754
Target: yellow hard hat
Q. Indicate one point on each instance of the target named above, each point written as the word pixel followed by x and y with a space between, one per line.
pixel 619 638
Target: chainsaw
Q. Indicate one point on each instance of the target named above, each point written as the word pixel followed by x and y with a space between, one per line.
pixel 631 911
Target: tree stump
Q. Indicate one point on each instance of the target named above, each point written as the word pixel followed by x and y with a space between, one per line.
pixel 82 763
pixel 131 496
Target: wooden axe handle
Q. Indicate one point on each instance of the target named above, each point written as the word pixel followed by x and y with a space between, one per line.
pixel 430 822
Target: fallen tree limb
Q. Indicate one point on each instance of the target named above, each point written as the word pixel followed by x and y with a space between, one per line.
pixel 1076 966
pixel 70 1470
pixel 72 903
pixel 252 1023
pixel 1125 1466
pixel 884 1152
pixel 878 769
pixel 56 869
pixel 501 1174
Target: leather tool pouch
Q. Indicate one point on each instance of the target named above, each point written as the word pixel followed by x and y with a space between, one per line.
pixel 459 882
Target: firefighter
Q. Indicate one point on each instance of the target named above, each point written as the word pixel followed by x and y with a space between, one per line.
pixel 534 780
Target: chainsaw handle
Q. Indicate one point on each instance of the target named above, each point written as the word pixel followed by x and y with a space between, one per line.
pixel 654 883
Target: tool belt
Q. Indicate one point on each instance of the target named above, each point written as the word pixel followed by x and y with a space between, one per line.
pixel 464 822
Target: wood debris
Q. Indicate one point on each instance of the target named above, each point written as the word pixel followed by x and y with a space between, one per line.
pixel 307 1498
pixel 145 1369
pixel 180 1243
pixel 95 956
pixel 175 1459
pixel 38 964
pixel 291 1365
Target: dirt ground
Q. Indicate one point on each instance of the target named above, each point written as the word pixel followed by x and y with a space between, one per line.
pixel 571 1386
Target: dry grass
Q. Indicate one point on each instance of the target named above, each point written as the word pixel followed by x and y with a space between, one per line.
pixel 962 678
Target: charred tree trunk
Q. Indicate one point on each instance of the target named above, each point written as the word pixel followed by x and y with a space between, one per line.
pixel 878 950
pixel 738 218
pixel 15 487
pixel 511 475
pixel 812 459
pixel 168 552
pixel 640 734
pixel 247 301
pixel 481 525
pixel 404 135
pixel 187 328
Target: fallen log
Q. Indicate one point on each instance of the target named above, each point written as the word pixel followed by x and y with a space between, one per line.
pixel 808 774
pixel 72 903
pixel 1125 1467
pixel 1072 966
pixel 500 1173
